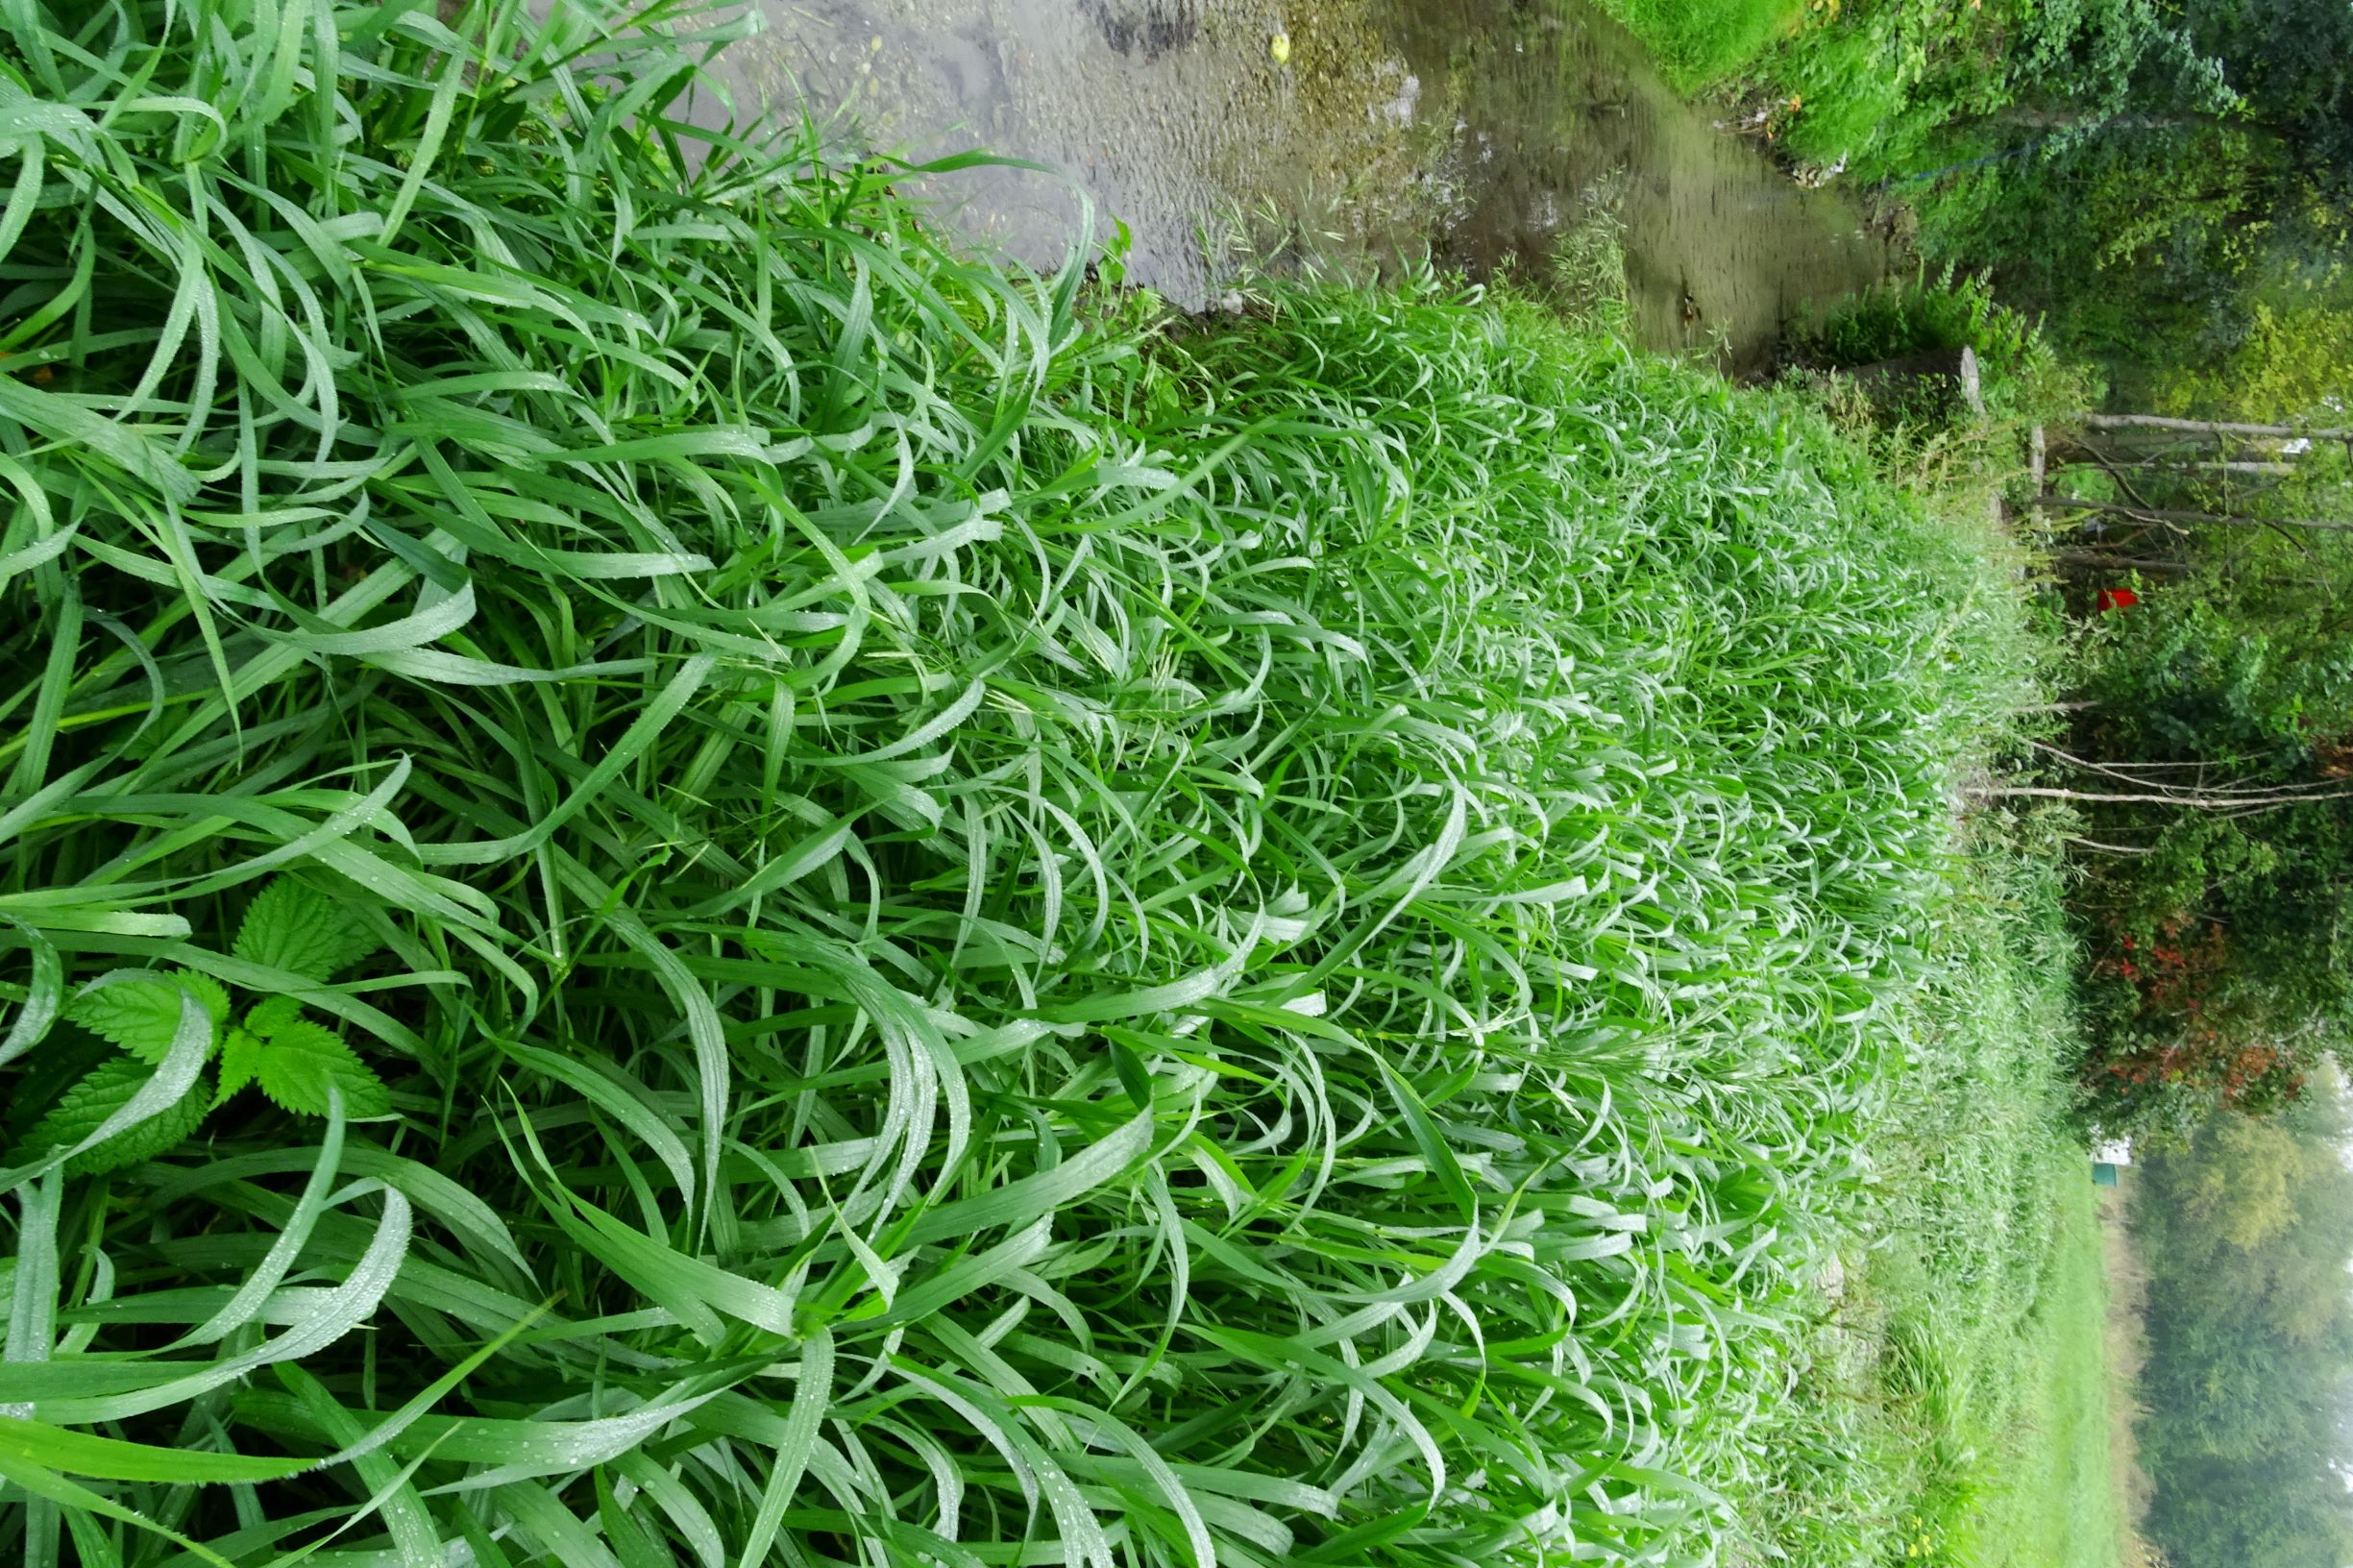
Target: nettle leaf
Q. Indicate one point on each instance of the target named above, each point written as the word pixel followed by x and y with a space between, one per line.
pixel 106 1090
pixel 240 1061
pixel 301 1061
pixel 141 1015
pixel 209 993
pixel 293 926
pixel 268 1018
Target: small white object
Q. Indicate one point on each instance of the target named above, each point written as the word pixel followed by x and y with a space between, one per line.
pixel 2116 1151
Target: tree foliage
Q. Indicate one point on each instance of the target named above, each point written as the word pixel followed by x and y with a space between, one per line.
pixel 2146 172
pixel 2293 360
pixel 2214 760
pixel 2247 1234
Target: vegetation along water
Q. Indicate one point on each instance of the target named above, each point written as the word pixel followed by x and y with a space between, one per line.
pixel 706 858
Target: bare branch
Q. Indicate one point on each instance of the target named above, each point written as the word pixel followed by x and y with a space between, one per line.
pixel 2249 794
pixel 2110 848
pixel 2156 514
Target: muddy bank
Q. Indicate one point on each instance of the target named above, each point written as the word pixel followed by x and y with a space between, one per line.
pixel 1352 130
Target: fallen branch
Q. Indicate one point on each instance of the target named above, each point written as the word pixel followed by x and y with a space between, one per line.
pixel 2207 427
pixel 2108 848
pixel 2200 803
pixel 2155 514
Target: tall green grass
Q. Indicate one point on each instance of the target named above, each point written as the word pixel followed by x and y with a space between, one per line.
pixel 1950 1413
pixel 881 911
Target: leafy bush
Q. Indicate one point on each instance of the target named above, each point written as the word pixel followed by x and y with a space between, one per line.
pixel 987 931
pixel 2021 375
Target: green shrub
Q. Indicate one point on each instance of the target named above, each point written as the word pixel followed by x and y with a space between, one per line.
pixel 2021 375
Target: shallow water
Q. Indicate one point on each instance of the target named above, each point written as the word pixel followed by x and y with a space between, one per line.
pixel 1476 128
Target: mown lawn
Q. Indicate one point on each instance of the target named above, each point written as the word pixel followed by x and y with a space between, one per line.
pixel 2051 1502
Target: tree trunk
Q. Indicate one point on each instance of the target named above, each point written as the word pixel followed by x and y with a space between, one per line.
pixel 2209 427
pixel 1957 367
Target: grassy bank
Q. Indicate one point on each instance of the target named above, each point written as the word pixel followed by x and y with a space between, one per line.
pixel 1697 45
pixel 1955 1407
pixel 1868 88
pixel 686 878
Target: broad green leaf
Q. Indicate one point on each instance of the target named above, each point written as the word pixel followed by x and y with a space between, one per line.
pixel 293 926
pixel 266 1017
pixel 301 1063
pixel 105 1091
pixel 141 1014
pixel 240 1061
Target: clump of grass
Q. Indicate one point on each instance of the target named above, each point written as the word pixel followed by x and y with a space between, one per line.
pixel 2025 377
pixel 966 931
pixel 1586 283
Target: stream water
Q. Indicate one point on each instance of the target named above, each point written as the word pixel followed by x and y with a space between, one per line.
pixel 1479 130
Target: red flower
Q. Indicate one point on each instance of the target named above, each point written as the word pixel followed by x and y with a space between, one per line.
pixel 2116 598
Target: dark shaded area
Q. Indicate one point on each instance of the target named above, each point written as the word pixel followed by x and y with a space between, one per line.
pixel 1149 28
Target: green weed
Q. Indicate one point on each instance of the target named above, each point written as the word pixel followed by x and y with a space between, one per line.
pixel 1953 1407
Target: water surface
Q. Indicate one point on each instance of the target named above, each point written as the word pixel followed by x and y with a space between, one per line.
pixel 1475 129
